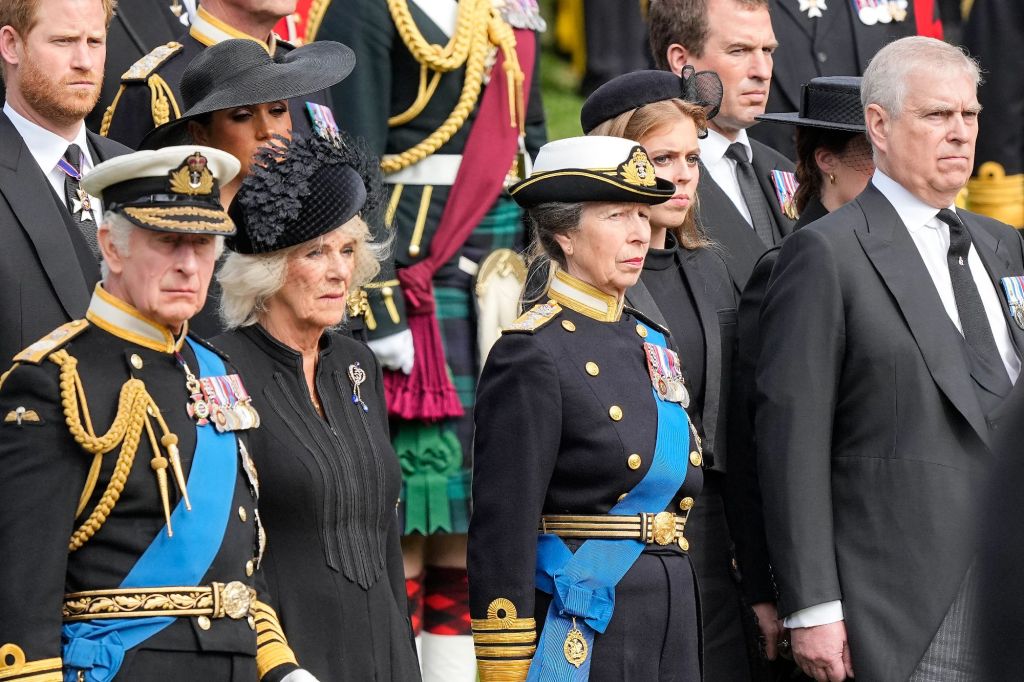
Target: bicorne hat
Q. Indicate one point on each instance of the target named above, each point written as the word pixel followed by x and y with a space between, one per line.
pixel 827 102
pixel 594 168
pixel 174 189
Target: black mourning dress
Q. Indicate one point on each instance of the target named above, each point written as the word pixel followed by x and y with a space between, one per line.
pixel 328 490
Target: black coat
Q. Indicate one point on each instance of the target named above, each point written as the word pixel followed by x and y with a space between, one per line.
pixel 329 490
pixel 546 444
pixel 874 445
pixel 45 472
pixel 836 44
pixel 735 239
pixel 47 271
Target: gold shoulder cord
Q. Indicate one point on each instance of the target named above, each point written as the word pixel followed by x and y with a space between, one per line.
pixel 478 26
pixel 134 408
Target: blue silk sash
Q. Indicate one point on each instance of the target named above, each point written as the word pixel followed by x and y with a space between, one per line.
pixel 582 585
pixel 98 647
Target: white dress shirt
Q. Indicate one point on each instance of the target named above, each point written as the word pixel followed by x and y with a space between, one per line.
pixel 723 169
pixel 47 148
pixel 931 237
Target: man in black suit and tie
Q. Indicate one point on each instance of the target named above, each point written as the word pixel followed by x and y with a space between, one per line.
pixel 52 54
pixel 738 205
pixel 896 313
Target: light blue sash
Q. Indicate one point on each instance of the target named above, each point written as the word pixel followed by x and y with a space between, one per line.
pixel 98 647
pixel 582 585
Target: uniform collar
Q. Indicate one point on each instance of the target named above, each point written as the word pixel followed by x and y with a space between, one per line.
pixel 584 298
pixel 116 317
pixel 209 30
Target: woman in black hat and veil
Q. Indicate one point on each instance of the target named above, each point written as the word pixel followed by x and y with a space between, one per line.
pixel 329 478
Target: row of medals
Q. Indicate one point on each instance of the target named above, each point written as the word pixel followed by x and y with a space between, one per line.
pixel 870 12
pixel 238 416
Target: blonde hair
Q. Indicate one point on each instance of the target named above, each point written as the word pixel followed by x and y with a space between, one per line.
pixel 636 124
pixel 248 281
pixel 22 15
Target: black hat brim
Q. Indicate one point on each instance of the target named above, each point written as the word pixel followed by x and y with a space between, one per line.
pixel 303 71
pixel 794 119
pixel 573 185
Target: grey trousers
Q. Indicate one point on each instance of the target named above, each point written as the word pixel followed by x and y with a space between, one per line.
pixel 953 654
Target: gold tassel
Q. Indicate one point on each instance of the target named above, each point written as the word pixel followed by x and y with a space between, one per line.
pixel 170 442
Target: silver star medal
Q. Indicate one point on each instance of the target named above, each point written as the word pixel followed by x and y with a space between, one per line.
pixel 812 7
pixel 81 206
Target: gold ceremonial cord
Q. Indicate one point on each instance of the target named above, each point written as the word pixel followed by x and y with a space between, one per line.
pixel 478 27
pixel 133 407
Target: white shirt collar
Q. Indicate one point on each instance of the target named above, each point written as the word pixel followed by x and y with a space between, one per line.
pixel 47 147
pixel 715 145
pixel 914 213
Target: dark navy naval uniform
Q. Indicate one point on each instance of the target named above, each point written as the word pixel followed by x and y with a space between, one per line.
pixel 83 527
pixel 566 428
pixel 150 92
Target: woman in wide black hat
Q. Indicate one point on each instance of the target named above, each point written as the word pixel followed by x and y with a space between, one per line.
pixel 329 478
pixel 686 284
pixel 236 97
pixel 585 464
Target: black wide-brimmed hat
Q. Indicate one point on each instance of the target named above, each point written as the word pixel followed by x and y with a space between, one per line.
pixel 594 168
pixel 302 188
pixel 640 88
pixel 239 73
pixel 827 102
pixel 174 189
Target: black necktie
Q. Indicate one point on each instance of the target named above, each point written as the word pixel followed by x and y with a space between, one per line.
pixel 78 201
pixel 973 319
pixel 753 197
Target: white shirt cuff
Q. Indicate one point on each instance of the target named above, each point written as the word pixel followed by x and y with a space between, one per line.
pixel 819 614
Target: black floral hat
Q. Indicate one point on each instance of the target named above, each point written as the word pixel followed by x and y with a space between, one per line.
pixel 302 188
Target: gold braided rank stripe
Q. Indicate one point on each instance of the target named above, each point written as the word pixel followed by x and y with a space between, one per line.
pixel 478 27
pixel 502 671
pixel 504 637
pixel 492 652
pixel 272 648
pixel 156 215
pixel 503 624
pixel 43 670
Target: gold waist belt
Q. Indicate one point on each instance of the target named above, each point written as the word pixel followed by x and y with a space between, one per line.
pixel 234 600
pixel 662 528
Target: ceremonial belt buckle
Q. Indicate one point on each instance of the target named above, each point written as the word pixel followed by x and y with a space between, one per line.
pixel 658 528
pixel 233 600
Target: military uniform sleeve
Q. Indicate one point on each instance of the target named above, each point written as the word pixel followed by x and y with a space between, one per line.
pixel 518 426
pixel 42 473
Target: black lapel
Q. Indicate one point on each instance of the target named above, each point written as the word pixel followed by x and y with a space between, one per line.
pixel 739 245
pixel 994 255
pixel 148 23
pixel 697 278
pixel 639 298
pixel 30 196
pixel 763 167
pixel 798 18
pixel 824 24
pixel 891 250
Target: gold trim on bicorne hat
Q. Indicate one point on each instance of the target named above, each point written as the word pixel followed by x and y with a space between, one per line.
pixel 123 321
pixel 575 294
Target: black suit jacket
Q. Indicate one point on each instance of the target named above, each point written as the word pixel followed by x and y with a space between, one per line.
pixel 836 44
pixel 873 445
pixel 46 271
pixel 736 241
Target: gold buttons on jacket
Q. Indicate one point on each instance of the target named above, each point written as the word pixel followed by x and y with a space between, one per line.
pixel 686 504
pixel 634 461
pixel 592 369
pixel 203 622
pixel 684 544
pixel 641 331
pixel 136 361
pixel 568 326
pixel 242 515
pixel 615 412
pixel 250 567
pixel 695 458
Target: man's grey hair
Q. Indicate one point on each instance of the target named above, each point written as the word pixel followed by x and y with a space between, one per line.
pixel 120 229
pixel 892 68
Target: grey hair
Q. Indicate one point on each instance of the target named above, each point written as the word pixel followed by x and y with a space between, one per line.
pixel 248 281
pixel 887 76
pixel 120 229
pixel 547 221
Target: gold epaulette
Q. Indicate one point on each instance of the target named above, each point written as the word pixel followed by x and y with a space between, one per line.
pixel 994 193
pixel 140 70
pixel 39 350
pixel 534 318
pixel 13 666
pixel 504 643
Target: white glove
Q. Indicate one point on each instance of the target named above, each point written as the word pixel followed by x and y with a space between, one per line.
pixel 395 352
pixel 299 675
